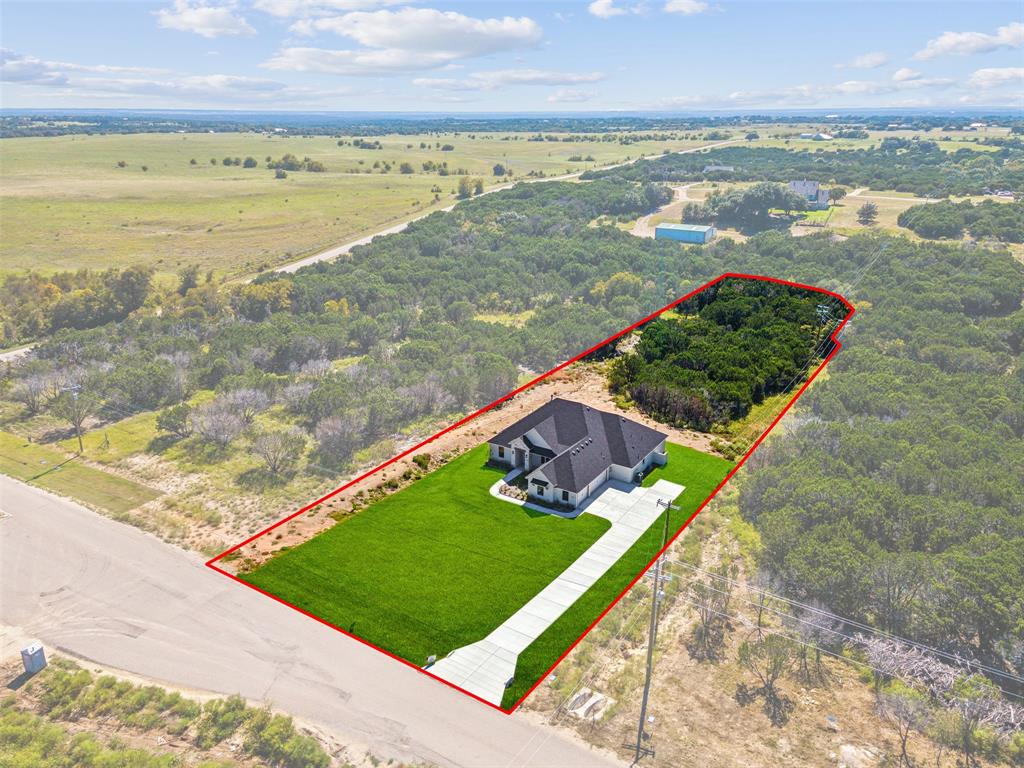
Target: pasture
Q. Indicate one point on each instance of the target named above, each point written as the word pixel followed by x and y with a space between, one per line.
pixel 68 203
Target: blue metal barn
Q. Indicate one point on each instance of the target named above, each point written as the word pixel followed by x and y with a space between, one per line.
pixel 684 233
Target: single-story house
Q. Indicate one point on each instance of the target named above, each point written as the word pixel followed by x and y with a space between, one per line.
pixel 569 450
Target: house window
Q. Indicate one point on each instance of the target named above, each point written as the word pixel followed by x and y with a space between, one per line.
pixel 501 452
pixel 565 495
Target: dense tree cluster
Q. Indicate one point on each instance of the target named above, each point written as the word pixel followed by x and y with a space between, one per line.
pixel 33 304
pixel 748 340
pixel 746 209
pixel 904 165
pixel 986 220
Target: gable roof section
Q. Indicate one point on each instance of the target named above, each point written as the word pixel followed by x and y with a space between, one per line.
pixel 584 440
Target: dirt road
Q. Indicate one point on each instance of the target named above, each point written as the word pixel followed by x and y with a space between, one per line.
pixel 644 226
pixel 112 594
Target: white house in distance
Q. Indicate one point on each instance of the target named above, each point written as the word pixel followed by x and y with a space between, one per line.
pixel 569 450
pixel 817 197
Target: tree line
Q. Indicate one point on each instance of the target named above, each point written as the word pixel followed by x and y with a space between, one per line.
pixel 904 165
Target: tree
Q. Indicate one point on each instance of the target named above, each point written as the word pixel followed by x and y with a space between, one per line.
pixel 280 173
pixel 406 168
pixel 188 278
pixel 279 449
pixel 465 188
pixel 31 391
pixel 904 710
pixel 499 169
pixel 767 660
pixel 478 186
pixel 245 402
pixel 752 136
pixel 867 214
pixel 836 194
pixel 217 424
pixel 177 420
pixel 973 698
pixel 338 437
pixel 75 407
pixel 249 162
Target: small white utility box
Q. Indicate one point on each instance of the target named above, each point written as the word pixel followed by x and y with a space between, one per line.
pixel 34 658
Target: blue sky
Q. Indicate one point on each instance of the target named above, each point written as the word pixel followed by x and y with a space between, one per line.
pixel 511 56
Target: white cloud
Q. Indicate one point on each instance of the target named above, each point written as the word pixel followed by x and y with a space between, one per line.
pixel 605 9
pixel 570 96
pixel 996 77
pixel 866 61
pixel 18 68
pixel 106 82
pixel 903 74
pixel 489 81
pixel 809 95
pixel 287 8
pixel 966 43
pixel 686 7
pixel 204 19
pixel 406 40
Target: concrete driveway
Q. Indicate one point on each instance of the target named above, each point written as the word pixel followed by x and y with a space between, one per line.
pixel 484 667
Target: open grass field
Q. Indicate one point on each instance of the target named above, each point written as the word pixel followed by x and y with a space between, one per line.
pixel 67 204
pixel 700 473
pixel 51 469
pixel 433 567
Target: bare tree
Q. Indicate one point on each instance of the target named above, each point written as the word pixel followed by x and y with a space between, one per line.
pixel 280 450
pixel 31 391
pixel 316 369
pixel 246 402
pixel 817 629
pixel 217 424
pixel 338 437
pixel 905 711
pixel 767 660
pixel 711 598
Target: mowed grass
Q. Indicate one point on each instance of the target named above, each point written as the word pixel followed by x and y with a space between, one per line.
pixel 66 204
pixel 53 470
pixel 699 473
pixel 433 567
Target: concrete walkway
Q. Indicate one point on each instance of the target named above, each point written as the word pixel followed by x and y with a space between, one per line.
pixel 485 667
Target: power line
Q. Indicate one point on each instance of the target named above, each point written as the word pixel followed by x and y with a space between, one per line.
pixel 859 625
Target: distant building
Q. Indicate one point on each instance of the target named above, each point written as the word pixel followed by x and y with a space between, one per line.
pixel 820 136
pixel 684 233
pixel 817 197
pixel 719 168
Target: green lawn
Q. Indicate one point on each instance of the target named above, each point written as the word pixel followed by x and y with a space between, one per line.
pixel 50 469
pixel 434 567
pixel 700 474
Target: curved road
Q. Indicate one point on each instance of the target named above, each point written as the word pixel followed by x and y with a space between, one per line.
pixel 340 250
pixel 119 597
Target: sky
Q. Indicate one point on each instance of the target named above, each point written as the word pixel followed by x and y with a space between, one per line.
pixel 434 56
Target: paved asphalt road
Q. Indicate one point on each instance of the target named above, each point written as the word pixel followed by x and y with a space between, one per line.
pixel 123 599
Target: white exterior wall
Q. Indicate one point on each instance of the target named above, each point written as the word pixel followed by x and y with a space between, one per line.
pixel 506 459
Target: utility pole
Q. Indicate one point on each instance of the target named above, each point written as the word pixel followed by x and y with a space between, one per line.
pixel 652 635
pixel 74 390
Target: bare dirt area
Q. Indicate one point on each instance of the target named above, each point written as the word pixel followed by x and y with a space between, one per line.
pixel 581 382
pixel 698 715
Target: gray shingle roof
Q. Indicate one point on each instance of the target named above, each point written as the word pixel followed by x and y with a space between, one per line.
pixel 584 440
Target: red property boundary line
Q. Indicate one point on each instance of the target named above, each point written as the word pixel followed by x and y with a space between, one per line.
pixel 742 460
